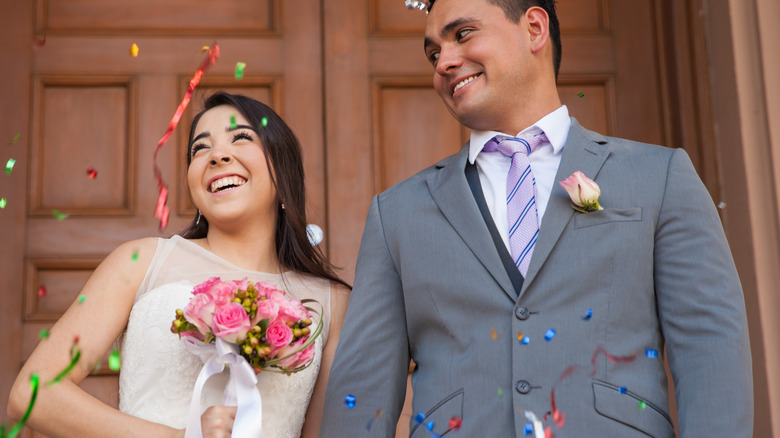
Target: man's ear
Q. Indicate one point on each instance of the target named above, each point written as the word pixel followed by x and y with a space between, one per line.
pixel 538 24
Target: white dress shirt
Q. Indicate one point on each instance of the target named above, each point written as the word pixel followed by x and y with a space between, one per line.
pixel 493 167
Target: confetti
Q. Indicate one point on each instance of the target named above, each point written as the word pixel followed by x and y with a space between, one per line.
pixel 419 417
pixel 641 405
pixel 651 353
pixel 39 42
pixel 622 390
pixel 528 429
pixel 114 360
pixel 349 401
pixel 455 423
pixel 493 333
pixel 59 216
pixel 43 334
pixel 3 202
pixel 18 426
pixel 581 95
pixel 233 124
pixel 162 211
pixel 240 66
pixel 9 166
pixel 16 138
pixel 549 335
pixel 42 291
pixel 91 173
pixel 134 257
pixel 721 205
pixel 82 298
pixel 588 315
pixel 500 392
pixel 525 340
pixel 75 355
pixel 134 50
pixel 264 122
pixel 203 49
pixel 429 425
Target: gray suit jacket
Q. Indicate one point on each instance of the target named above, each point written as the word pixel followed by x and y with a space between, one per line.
pixel 653 267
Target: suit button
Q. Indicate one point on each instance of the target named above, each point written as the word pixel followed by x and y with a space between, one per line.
pixel 523 387
pixel 522 313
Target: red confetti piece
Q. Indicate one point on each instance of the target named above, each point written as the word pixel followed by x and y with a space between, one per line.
pixel 162 211
pixel 39 41
pixel 91 173
pixel 455 423
pixel 42 291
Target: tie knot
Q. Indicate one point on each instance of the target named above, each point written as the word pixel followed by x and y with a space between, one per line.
pixel 524 144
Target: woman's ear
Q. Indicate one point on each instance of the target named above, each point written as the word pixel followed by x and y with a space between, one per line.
pixel 538 24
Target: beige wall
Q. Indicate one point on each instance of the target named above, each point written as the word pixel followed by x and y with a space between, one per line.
pixel 756 118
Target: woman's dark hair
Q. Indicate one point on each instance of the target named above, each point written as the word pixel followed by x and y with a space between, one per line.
pixel 285 165
pixel 514 10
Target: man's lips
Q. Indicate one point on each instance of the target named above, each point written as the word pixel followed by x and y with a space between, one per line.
pixel 462 82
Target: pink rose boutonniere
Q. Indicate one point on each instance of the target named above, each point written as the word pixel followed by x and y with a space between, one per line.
pixel 583 191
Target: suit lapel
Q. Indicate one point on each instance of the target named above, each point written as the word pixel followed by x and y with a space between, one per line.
pixel 451 192
pixel 585 151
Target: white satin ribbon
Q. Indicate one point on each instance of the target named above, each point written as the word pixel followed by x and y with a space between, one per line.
pixel 241 389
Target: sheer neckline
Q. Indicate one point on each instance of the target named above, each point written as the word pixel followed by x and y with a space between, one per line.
pixel 210 254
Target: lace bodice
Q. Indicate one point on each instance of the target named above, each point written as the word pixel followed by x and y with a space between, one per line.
pixel 158 374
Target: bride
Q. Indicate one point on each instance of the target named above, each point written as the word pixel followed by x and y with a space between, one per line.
pixel 245 176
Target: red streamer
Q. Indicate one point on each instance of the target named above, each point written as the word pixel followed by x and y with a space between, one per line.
pixel 162 211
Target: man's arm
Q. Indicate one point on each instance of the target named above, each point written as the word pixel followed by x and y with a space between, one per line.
pixel 702 310
pixel 372 359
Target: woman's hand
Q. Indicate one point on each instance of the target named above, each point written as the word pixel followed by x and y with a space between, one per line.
pixel 217 421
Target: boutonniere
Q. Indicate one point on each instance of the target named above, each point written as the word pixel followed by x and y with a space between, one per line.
pixel 583 191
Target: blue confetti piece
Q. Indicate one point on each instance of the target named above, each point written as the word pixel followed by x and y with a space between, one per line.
pixel 349 401
pixel 528 429
pixel 525 340
pixel 622 390
pixel 549 335
pixel 651 353
pixel 429 426
pixel 419 418
pixel 588 315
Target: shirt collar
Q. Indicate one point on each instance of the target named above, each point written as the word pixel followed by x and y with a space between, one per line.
pixel 555 125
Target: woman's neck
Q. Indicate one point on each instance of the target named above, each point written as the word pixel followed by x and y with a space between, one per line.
pixel 253 250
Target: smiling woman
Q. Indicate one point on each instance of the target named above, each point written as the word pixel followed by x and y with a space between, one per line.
pixel 245 175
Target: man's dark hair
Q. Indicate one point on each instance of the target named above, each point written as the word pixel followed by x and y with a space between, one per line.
pixel 514 10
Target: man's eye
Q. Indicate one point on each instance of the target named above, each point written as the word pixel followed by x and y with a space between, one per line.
pixel 462 33
pixel 433 57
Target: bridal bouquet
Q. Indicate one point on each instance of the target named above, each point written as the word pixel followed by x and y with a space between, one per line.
pixel 248 327
pixel 270 329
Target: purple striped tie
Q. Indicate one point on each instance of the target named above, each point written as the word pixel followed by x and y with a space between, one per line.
pixel 520 192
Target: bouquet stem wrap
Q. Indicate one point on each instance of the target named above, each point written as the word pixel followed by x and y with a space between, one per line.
pixel 241 388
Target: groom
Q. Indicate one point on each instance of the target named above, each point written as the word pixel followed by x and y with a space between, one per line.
pixel 527 308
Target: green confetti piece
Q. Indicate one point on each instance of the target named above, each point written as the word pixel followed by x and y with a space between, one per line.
pixel 233 124
pixel 500 392
pixel 18 426
pixel 59 216
pixel 264 122
pixel 16 138
pixel 113 360
pixel 9 166
pixel 240 66
pixel 134 256
pixel 75 355
pixel 82 298
pixel 3 202
pixel 642 405
pixel 581 95
pixel 43 334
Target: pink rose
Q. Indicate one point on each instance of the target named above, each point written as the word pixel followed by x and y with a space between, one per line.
pixel 583 191
pixel 278 335
pixel 199 311
pixel 242 284
pixel 231 322
pixel 298 359
pixel 207 287
pixel 265 309
pixel 289 310
pixel 224 293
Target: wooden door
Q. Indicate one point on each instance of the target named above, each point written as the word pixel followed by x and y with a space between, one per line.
pixel 79 100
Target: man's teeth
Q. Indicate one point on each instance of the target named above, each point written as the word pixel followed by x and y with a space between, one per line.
pixel 462 83
pixel 225 182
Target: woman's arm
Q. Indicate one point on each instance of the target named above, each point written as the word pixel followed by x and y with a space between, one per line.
pixel 93 323
pixel 338 299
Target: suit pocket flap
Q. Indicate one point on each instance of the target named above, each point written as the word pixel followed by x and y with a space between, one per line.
pixel 582 220
pixel 626 409
pixel 437 419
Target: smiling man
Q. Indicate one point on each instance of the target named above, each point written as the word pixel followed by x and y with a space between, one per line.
pixel 512 303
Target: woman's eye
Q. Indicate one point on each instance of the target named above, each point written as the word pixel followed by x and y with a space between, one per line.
pixel 197 148
pixel 242 136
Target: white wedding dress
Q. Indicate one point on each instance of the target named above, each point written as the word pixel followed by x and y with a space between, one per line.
pixel 158 374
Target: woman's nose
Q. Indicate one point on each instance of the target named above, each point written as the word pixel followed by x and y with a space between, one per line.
pixel 220 155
